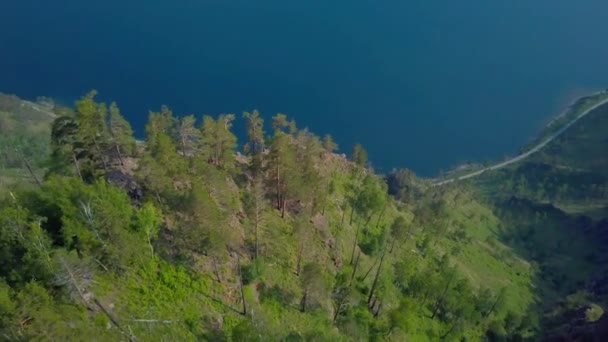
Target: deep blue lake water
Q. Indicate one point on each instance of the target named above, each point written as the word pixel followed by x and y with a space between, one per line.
pixel 423 84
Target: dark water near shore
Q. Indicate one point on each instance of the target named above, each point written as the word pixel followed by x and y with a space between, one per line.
pixel 421 84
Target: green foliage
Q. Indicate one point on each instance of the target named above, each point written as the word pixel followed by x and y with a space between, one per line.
pixel 255 139
pixel 371 197
pixel 328 144
pixel 26 248
pixel 405 186
pixel 594 313
pixel 96 220
pixel 218 142
pixel 315 286
pixel 24 138
pixel 84 258
pixel 253 271
pixel 147 221
pixel 246 331
pixel 359 155
pixel 121 134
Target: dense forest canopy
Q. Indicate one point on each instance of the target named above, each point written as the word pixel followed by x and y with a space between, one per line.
pixel 191 235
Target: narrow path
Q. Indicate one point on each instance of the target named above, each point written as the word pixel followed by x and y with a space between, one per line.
pixel 529 152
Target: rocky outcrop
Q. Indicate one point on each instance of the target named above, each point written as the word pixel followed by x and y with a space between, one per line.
pixel 127 183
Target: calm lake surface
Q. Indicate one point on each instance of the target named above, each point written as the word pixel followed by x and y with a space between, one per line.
pixel 422 84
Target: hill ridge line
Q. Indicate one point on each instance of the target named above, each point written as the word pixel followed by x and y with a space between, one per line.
pixel 528 153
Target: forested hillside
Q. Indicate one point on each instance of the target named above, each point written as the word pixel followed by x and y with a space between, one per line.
pixel 557 206
pixel 192 235
pixel 25 132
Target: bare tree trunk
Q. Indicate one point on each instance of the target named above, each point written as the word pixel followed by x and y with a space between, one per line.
pixel 337 311
pixel 74 282
pixel 392 246
pixel 352 256
pixel 369 219
pixel 352 211
pixel 122 163
pixel 370 270
pixel 216 270
pixel 77 166
pixel 29 168
pixel 377 313
pixel 278 186
pixel 303 302
pixel 238 262
pixel 299 261
pixel 255 229
pixel 371 293
pixel 342 299
pixel 157 195
pixel 218 150
pixel 284 200
pixel 445 291
pixel 183 143
pixel 325 197
pixel 355 268
pixel 103 159
pixel 130 336
pixel 381 216
pixel 150 244
pixel 493 306
pixel 451 329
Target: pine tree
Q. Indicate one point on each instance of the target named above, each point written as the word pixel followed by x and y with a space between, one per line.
pixel 282 163
pixel 159 123
pixel 314 286
pixel 160 166
pixel 359 155
pixel 400 230
pixel 82 140
pixel 121 134
pixel 66 148
pixel 92 130
pixel 187 136
pixel 328 144
pixel 313 183
pixel 255 140
pixel 226 142
pixel 255 205
pixel 218 141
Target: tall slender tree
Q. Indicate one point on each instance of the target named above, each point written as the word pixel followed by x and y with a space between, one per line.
pixel 219 143
pixel 359 155
pixel 328 144
pixel 187 135
pixel 282 162
pixel 255 139
pixel 121 134
pixel 92 129
pixel 64 145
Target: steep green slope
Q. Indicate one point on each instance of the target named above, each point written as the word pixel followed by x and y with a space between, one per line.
pixel 573 169
pixel 154 243
pixel 554 207
pixel 25 130
pixel 186 239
